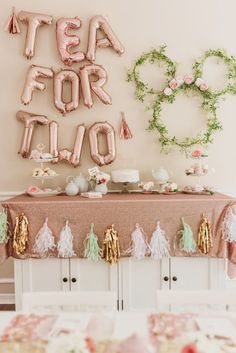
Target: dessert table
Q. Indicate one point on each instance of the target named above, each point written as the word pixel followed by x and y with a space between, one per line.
pixel 34 332
pixel 124 211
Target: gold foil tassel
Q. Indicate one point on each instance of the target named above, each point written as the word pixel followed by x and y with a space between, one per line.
pixel 111 246
pixel 21 234
pixel 12 24
pixel 205 242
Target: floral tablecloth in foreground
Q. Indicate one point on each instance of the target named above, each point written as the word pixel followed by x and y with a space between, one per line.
pixel 118 333
pixel 125 211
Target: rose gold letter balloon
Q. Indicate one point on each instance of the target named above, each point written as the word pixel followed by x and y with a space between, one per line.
pixel 30 120
pixel 99 22
pixel 32 84
pixel 108 130
pixel 33 20
pixel 60 77
pixel 66 41
pixel 96 86
pixel 53 137
pixel 75 157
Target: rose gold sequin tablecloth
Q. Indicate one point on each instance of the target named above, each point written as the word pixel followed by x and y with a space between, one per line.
pixel 124 210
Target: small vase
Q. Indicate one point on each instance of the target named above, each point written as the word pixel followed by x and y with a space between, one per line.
pixel 101 188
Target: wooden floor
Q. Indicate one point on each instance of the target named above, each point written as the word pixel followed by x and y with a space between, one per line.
pixel 7 307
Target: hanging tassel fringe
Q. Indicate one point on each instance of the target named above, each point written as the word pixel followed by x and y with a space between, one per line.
pixel 187 242
pixel 139 246
pixel 44 241
pixel 159 245
pixel 4 236
pixel 65 244
pixel 125 132
pixel 111 246
pixel 21 234
pixel 92 250
pixel 229 226
pixel 12 24
pixel 205 242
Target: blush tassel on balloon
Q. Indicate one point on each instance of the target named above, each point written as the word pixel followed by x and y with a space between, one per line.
pixel 4 236
pixel 139 246
pixel 205 242
pixel 92 250
pixel 187 242
pixel 44 241
pixel 21 234
pixel 111 246
pixel 125 132
pixel 229 226
pixel 12 24
pixel 159 245
pixel 65 244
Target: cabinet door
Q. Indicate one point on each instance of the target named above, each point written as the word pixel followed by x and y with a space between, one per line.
pixel 39 275
pixel 188 273
pixel 89 275
pixel 139 281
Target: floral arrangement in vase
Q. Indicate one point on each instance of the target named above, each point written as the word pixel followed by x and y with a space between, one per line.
pixel 99 180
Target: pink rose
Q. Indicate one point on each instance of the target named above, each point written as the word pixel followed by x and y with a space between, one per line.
pixel 188 79
pixel 203 86
pixel 197 153
pixel 189 348
pixel 174 84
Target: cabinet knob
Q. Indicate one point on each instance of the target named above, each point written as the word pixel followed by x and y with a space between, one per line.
pixel 166 278
pixel 65 279
pixel 174 278
pixel 73 279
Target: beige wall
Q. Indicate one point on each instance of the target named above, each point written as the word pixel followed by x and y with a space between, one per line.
pixel 188 28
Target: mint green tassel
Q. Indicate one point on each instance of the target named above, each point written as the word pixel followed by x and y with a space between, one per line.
pixel 92 250
pixel 187 242
pixel 4 237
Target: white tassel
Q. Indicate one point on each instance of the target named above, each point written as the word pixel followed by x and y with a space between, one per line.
pixel 159 245
pixel 44 240
pixel 65 244
pixel 229 226
pixel 139 246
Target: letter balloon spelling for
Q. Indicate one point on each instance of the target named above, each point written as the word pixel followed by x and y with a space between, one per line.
pixel 30 120
pixel 66 41
pixel 96 86
pixel 59 79
pixel 111 40
pixel 32 84
pixel 108 130
pixel 33 20
pixel 72 157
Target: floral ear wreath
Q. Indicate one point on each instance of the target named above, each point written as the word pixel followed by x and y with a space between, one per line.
pixel 188 84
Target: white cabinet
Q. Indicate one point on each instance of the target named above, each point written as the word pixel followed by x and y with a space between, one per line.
pixel 39 275
pixel 134 281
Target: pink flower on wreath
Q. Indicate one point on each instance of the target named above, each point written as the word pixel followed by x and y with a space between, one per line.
pixel 174 84
pixel 197 153
pixel 188 79
pixel 189 348
pixel 203 86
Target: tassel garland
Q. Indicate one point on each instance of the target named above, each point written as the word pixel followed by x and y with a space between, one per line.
pixel 125 132
pixel 92 250
pixel 65 244
pixel 111 246
pixel 187 242
pixel 159 245
pixel 229 226
pixel 21 234
pixel 44 241
pixel 205 242
pixel 139 246
pixel 4 236
pixel 12 24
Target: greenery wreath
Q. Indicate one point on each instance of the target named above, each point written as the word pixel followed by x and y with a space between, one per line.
pixel 190 83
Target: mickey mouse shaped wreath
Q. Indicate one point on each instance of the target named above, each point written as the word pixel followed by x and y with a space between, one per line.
pixel 189 84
